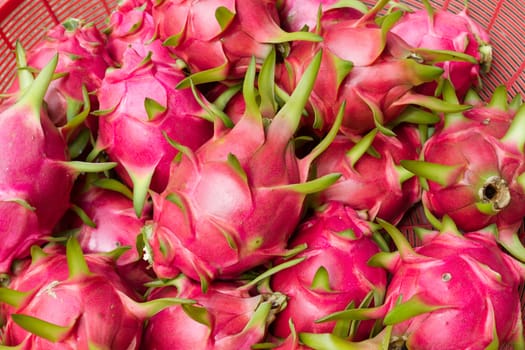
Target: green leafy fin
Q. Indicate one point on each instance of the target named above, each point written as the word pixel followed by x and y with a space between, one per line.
pixel 153 108
pixel 76 262
pixel 361 147
pixel 213 111
pixel 312 186
pixel 83 215
pixel 326 141
pixel 25 77
pixel 401 242
pixel 114 185
pixel 442 174
pixel 321 280
pixel 198 313
pixel 141 187
pixel 89 167
pixel 224 17
pixel 287 120
pixel 13 297
pixel 148 309
pixel 515 135
pixel 46 330
pixel 412 307
pixel 266 83
pixel 33 96
pixel 272 271
pixel 499 98
pixel 211 75
pixel 78 117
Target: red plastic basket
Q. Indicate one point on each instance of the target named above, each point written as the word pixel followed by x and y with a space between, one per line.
pixel 27 20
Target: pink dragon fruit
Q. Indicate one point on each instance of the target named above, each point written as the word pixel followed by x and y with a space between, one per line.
pixel 61 300
pixel 451 283
pixel 141 107
pixel 32 146
pixel 296 15
pixel 445 30
pixel 109 220
pixel 474 173
pixel 374 182
pixel 82 63
pixel 244 190
pixel 130 23
pixel 367 67
pixel 224 317
pixel 229 31
pixel 335 236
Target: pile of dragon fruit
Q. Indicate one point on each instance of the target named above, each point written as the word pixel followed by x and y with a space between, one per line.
pixel 240 174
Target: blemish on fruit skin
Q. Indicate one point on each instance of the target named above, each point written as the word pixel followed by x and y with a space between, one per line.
pixel 446 277
pixel 256 243
pixel 49 289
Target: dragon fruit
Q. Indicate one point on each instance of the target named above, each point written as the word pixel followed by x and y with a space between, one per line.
pixel 244 190
pixel 130 23
pixel 229 31
pixel 226 316
pixel 82 63
pixel 366 66
pixel 335 236
pixel 107 222
pixel 374 182
pixel 452 282
pixel 475 175
pixel 61 300
pixel 445 30
pixel 140 106
pixel 29 209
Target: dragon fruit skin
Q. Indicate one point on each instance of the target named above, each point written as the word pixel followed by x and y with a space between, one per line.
pixel 82 60
pixel 130 23
pixel 494 116
pixel 226 316
pixel 296 15
pixel 143 104
pixel 111 225
pixel 445 30
pixel 60 300
pixel 452 282
pixel 229 31
pixel 335 236
pixel 375 183
pixel 244 190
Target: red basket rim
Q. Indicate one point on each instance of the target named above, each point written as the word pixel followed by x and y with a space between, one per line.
pixel 8 6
